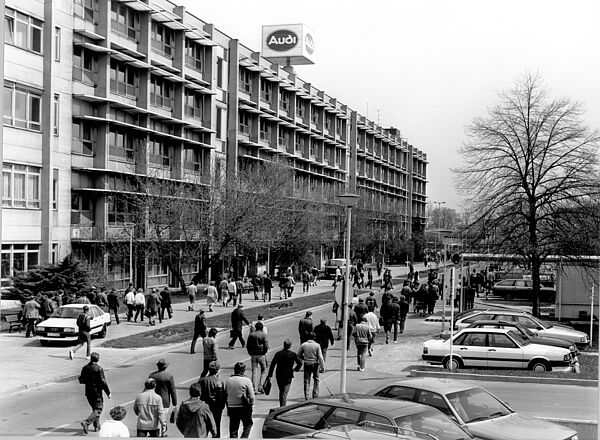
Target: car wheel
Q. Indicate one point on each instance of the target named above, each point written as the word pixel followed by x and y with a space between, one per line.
pixel 539 365
pixel 102 333
pixel 455 365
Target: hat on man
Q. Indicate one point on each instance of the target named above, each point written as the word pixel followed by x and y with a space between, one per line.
pixel 162 364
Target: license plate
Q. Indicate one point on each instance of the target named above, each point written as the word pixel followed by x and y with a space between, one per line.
pixel 53 335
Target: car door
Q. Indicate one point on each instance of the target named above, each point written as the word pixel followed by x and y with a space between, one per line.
pixel 96 319
pixel 471 347
pixel 503 352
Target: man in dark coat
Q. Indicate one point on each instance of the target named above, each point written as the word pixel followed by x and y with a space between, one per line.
pixel 165 303
pixel 324 337
pixel 237 323
pixel 390 313
pixel 83 332
pixel 92 376
pixel 360 309
pixel 284 360
pixel 152 307
pixel 404 306
pixel 351 323
pixel 113 303
pixel 165 384
pixel 267 287
pixel 199 329
pixel 212 391
pixel 194 418
pixel 305 326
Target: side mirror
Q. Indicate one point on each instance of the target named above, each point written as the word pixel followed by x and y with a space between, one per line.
pixel 540 327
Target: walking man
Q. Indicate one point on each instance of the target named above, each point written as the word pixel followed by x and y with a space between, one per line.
pixel 212 392
pixel 211 295
pixel 148 406
pixel 310 354
pixel 371 302
pixel 267 287
pixel 324 337
pixel 369 278
pixel 113 303
pixel 305 326
pixel 223 291
pixel 165 303
pixel 351 323
pixel 284 360
pixel 389 315
pixel 32 313
pixel 83 335
pixel 238 319
pixel 129 301
pixel 140 302
pixel 152 302
pixel 232 291
pixel 362 337
pixel 373 323
pixel 315 275
pixel 404 306
pixel 194 418
pixel 258 347
pixel 360 309
pixel 305 281
pixel 92 376
pixel 165 385
pixel 199 329
pixel 240 401
pixel 191 292
pixel 210 349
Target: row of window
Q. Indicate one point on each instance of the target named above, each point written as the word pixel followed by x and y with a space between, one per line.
pixel 21 186
pixel 23 31
pixel 18 258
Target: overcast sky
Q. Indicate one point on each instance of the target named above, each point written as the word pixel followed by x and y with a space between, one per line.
pixel 429 67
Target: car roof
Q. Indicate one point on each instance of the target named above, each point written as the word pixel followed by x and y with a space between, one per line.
pixel 433 384
pixel 494 322
pixel 78 306
pixel 503 312
pixel 485 330
pixel 363 402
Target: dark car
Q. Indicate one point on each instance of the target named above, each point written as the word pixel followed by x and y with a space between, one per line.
pixel 519 288
pixel 475 408
pixel 404 418
pixel 527 334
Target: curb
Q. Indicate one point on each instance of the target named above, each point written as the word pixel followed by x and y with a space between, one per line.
pixel 516 379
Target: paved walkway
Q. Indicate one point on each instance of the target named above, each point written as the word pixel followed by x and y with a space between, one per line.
pixel 25 364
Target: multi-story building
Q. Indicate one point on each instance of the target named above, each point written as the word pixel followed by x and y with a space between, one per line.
pixel 95 90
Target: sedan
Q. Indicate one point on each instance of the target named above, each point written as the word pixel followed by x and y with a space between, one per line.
pixel 62 324
pixel 519 288
pixel 480 412
pixel 536 325
pixel 495 348
pixel 384 415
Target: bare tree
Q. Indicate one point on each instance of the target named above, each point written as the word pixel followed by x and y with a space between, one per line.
pixel 530 173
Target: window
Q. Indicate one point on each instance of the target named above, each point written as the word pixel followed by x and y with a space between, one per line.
pixel 314 116
pixel 21 186
pixel 220 72
pixel 84 138
pixel 283 137
pixel 313 147
pixel 309 415
pixel 219 127
pixel 124 79
pixel 124 21
pixel 84 67
pixel 194 104
pixel 163 40
pixel 501 341
pixel 266 90
pixel 265 130
pixel 55 189
pixel 82 209
pixel 284 100
pixel 86 9
pixel 194 55
pixel 22 107
pixel 299 108
pixel 161 93
pixel 23 31
pixel 159 154
pixel 244 123
pixel 18 258
pixel 192 160
pixel 435 400
pixel 471 340
pixel 56 113
pixel 57 44
pixel 245 81
pixel 528 322
pixel 121 145
pixel 380 423
pixel 343 416
pixel 400 393
pixel 119 211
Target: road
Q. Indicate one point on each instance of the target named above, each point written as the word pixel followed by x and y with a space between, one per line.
pixel 56 409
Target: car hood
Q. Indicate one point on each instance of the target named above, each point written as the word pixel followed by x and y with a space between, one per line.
pixel 59 322
pixel 545 350
pixel 547 340
pixel 518 427
pixel 563 333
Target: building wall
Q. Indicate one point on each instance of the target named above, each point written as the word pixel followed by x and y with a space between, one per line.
pixel 120 96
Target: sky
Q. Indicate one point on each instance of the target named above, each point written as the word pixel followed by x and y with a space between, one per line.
pixel 428 67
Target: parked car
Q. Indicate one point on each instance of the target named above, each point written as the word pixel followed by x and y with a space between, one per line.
pixel 353 432
pixel 332 265
pixel 62 324
pixel 476 409
pixel 536 325
pixel 520 288
pixel 368 411
pixel 495 348
pixel 528 334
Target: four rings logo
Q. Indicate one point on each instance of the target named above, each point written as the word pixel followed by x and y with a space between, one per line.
pixel 282 40
pixel 309 43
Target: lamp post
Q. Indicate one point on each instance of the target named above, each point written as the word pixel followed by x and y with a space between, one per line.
pixel 130 230
pixel 349 201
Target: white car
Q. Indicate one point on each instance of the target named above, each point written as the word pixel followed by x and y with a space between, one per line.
pixel 496 348
pixel 536 325
pixel 62 325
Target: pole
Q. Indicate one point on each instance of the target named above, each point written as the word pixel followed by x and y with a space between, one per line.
pixel 345 306
pixel 453 274
pixel 444 292
pixel 131 255
pixel 592 315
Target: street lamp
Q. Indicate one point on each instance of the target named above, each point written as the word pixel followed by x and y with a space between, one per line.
pixel 349 201
pixel 130 230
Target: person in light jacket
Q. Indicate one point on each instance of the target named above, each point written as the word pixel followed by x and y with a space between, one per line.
pixel 148 406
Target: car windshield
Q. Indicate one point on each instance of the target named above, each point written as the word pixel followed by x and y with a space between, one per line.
pixel 518 338
pixel 525 331
pixel 66 312
pixel 431 422
pixel 477 404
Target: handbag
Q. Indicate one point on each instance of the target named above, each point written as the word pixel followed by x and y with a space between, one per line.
pixel 267 386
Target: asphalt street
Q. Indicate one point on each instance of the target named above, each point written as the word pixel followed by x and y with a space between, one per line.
pixel 57 408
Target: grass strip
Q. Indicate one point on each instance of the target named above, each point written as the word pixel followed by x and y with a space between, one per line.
pixel 183 332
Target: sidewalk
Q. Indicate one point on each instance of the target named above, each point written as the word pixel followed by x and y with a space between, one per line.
pixel 25 364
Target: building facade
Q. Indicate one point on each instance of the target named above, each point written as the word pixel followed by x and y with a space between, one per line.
pixel 95 90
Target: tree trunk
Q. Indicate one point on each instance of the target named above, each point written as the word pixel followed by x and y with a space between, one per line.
pixel 535 277
pixel 177 273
